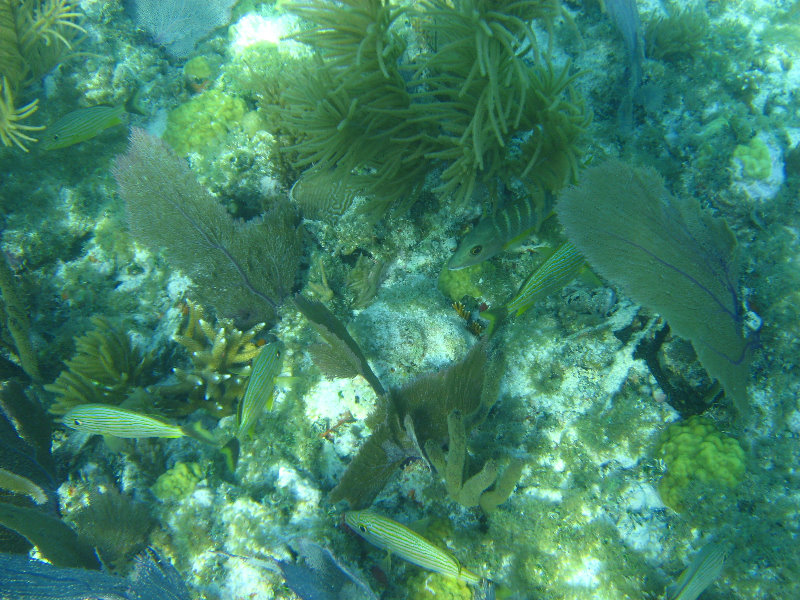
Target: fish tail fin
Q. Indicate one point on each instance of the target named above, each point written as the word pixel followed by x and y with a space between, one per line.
pixel 197 432
pixel 493 318
pixel 230 454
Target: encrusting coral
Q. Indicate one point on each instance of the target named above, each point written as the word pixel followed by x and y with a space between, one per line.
pixel 34 36
pixel 221 355
pixel 106 368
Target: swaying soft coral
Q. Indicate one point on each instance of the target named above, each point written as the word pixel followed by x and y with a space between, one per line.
pixel 34 36
pixel 12 132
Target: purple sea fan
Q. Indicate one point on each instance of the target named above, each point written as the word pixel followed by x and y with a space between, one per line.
pixel 178 25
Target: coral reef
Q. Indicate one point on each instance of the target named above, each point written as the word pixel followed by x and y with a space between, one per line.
pixel 178 482
pixel 668 253
pixel 203 121
pixel 242 269
pixel 678 35
pixel 106 368
pixel 364 279
pixel 16 325
pixel 755 158
pixel 341 356
pixel 34 36
pixel 470 491
pixel 694 450
pixel 115 525
pixel 28 516
pixel 221 355
pixel 414 417
pixel 455 284
pixel 462 106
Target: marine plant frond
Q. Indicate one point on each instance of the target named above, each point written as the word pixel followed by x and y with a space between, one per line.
pixel 49 22
pixel 12 132
pixel 106 368
pixel 351 32
pixel 12 64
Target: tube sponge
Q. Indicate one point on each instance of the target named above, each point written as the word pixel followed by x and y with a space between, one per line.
pixel 694 450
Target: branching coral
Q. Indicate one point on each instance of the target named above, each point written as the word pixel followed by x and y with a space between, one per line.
pixel 106 368
pixel 34 36
pixel 463 106
pixel 353 106
pixel 221 355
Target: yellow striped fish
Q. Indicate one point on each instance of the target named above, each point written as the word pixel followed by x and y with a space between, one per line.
pixel 705 567
pixel 501 230
pixel 398 539
pixel 102 419
pixel 557 271
pixel 260 386
pixel 81 125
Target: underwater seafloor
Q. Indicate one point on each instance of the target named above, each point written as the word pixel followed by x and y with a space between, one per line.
pixel 588 386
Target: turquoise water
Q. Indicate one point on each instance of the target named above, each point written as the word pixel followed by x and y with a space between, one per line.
pixel 341 151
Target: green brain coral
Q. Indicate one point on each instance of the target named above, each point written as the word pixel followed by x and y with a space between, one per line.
pixel 694 450
pixel 203 121
pixel 756 161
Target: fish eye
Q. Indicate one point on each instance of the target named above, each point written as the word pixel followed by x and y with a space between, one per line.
pixel 76 421
pixel 362 529
pixel 475 250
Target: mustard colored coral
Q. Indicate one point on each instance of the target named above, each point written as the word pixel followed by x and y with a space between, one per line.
pixel 178 482
pixel 424 585
pixel 203 121
pixel 694 450
pixel 756 162
pixel 464 282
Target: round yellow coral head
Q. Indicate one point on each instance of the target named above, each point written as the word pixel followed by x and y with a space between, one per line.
pixel 694 450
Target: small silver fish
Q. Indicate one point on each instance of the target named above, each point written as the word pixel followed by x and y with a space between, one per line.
pixel 102 419
pixel 398 539
pixel 501 230
pixel 260 387
pixel 704 569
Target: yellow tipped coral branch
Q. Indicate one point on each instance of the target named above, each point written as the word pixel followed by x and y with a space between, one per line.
pixel 34 36
pixel 12 132
pixel 45 22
